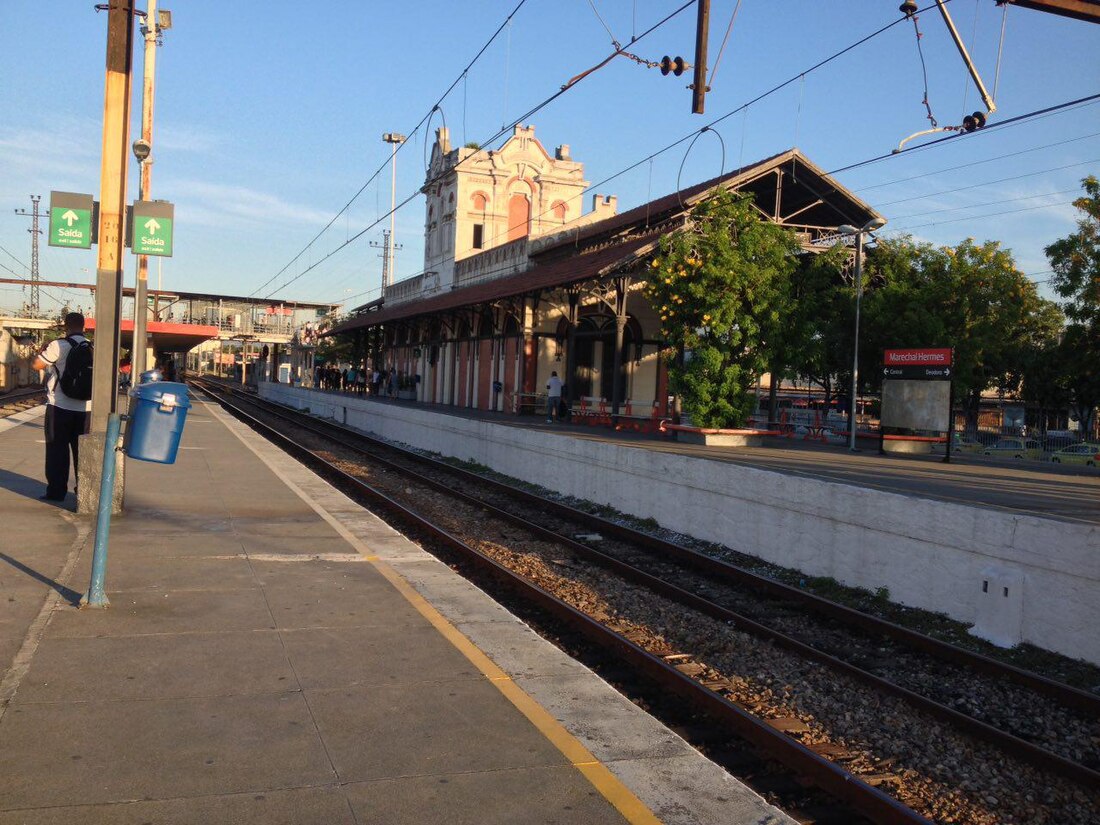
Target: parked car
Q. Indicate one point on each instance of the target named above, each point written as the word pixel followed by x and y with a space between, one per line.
pixel 1015 448
pixel 965 444
pixel 1083 453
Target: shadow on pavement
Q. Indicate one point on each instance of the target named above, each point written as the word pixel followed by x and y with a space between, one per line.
pixel 71 595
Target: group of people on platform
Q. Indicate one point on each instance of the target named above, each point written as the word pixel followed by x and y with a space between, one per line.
pixel 358 380
pixel 308 334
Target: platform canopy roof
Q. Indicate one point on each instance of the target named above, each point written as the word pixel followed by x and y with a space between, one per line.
pixel 165 337
pixel 787 189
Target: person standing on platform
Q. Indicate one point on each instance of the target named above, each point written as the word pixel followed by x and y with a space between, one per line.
pixel 553 397
pixel 68 365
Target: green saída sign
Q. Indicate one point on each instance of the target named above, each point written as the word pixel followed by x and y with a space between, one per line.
pixel 70 220
pixel 152 228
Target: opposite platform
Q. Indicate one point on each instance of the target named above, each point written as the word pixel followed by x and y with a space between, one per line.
pixel 275 653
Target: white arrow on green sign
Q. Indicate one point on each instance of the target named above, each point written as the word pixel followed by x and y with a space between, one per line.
pixel 153 228
pixel 70 220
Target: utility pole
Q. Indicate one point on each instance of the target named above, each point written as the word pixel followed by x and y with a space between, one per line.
pixel 35 232
pixel 142 149
pixel 385 256
pixel 395 140
pixel 702 33
pixel 108 295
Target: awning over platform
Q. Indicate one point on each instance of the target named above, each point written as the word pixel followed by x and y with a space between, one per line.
pixel 544 276
pixel 166 337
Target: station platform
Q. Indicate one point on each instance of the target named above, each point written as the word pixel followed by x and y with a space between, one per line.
pixel 274 653
pixel 1063 492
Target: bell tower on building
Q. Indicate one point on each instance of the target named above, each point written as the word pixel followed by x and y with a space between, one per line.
pixel 480 199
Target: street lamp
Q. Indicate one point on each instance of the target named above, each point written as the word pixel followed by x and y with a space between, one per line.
pixel 156 21
pixel 848 229
pixel 395 140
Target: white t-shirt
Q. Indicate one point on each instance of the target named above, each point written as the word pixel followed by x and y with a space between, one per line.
pixel 553 387
pixel 55 355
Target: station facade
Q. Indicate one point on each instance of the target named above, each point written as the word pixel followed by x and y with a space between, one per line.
pixel 519 284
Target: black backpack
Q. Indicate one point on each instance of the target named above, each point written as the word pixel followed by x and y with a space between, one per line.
pixel 76 380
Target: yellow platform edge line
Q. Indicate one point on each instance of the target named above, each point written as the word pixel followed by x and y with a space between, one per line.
pixel 609 786
pixel 603 780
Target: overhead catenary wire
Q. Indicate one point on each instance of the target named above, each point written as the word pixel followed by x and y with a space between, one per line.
pixel 741 108
pixel 1001 124
pixel 1000 49
pixel 503 130
pixel 382 167
pixel 779 86
pixel 957 189
pixel 10 255
pixel 983 217
pixel 972 163
pixel 603 23
pixel 725 40
pixel 983 205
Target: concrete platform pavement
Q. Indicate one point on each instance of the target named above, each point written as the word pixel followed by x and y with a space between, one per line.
pixel 275 653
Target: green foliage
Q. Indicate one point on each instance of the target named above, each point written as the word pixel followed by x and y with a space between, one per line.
pixel 816 325
pixel 719 287
pixel 970 297
pixel 1075 259
pixel 335 349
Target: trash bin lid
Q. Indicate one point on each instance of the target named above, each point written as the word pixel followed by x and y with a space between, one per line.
pixel 164 393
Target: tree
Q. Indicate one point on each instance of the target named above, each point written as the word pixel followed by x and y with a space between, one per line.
pixel 812 313
pixel 1075 260
pixel 719 286
pixel 970 297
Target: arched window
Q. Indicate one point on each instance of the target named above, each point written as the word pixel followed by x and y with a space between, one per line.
pixel 486 327
pixel 481 201
pixel 558 210
pixel 519 217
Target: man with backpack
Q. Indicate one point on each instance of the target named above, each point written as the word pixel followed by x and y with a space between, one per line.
pixel 68 365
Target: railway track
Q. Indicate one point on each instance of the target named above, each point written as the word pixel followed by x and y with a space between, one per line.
pixel 927 675
pixel 18 400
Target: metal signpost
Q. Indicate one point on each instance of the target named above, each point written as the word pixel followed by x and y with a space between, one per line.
pixel 152 228
pixel 71 220
pixel 908 401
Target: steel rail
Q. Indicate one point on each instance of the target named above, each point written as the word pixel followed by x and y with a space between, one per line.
pixel 1066 694
pixel 1014 745
pixel 18 395
pixel 843 785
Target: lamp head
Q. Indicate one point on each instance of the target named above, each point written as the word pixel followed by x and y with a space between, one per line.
pixel 141 150
pixel 847 229
pixel 874 224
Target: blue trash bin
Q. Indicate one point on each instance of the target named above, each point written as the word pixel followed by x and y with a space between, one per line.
pixel 156 423
pixel 149 376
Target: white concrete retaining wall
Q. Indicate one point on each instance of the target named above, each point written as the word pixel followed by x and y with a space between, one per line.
pixel 1041 576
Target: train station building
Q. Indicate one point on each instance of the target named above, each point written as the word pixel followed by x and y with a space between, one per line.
pixel 518 282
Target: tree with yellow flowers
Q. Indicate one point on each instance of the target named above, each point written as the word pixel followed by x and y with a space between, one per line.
pixel 720 286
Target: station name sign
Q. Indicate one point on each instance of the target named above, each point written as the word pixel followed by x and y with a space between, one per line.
pixel 917 364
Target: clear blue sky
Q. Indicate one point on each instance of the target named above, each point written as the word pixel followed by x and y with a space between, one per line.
pixel 269 118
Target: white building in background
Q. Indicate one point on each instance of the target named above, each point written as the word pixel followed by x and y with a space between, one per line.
pixel 485 199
